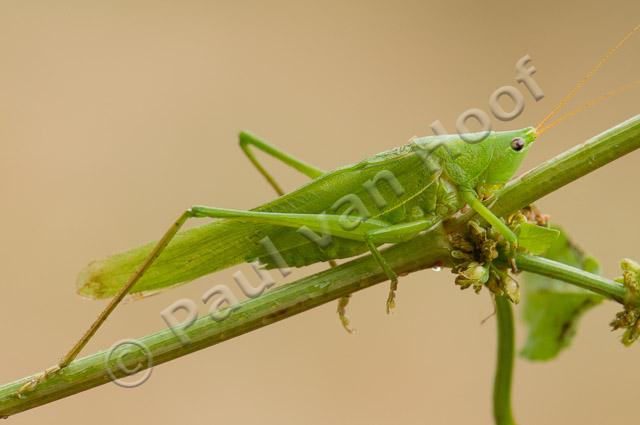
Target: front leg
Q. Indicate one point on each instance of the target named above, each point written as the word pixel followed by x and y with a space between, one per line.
pixel 470 198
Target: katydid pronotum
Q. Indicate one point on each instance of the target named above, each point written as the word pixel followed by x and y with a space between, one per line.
pixel 386 199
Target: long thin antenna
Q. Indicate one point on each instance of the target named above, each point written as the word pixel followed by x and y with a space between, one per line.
pixel 590 104
pixel 572 93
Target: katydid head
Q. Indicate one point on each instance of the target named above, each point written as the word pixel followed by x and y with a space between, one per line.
pixel 508 149
pixel 488 164
pixel 484 162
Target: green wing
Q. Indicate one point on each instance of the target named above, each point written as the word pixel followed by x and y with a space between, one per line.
pixel 215 246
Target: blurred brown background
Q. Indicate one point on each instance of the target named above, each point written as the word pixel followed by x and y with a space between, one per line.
pixel 115 116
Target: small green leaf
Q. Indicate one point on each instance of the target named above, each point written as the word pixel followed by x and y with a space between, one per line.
pixel 552 308
pixel 536 239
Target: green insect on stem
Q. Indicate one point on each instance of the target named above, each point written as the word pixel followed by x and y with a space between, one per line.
pixel 393 194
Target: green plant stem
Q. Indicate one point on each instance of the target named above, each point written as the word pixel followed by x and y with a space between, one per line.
pixel 420 253
pixel 504 363
pixel 598 284
pixel 504 367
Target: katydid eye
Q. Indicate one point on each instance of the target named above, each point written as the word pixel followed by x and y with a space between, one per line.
pixel 517 144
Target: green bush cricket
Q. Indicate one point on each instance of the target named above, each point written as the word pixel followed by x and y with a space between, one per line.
pixel 388 198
